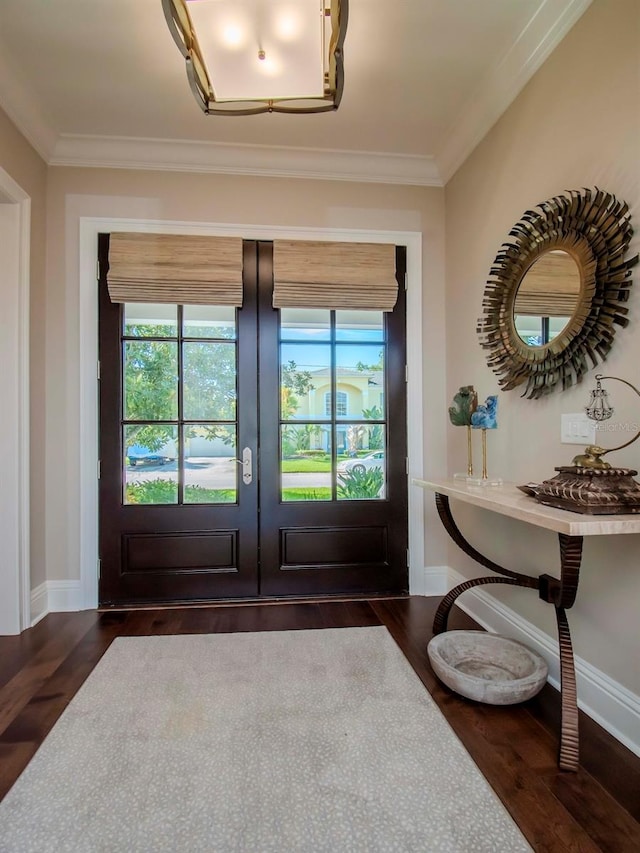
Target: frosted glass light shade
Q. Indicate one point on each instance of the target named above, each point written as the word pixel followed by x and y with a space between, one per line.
pixel 251 56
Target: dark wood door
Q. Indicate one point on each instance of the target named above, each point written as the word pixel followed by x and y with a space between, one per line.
pixel 178 386
pixel 319 400
pixel 347 531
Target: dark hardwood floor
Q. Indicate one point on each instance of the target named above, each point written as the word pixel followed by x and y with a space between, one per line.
pixel 597 808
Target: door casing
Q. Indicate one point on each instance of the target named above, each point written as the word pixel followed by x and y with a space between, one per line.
pixel 86 590
pixel 306 548
pixel 15 240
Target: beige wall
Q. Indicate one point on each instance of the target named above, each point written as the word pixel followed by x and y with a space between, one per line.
pixel 29 171
pixel 184 197
pixel 576 124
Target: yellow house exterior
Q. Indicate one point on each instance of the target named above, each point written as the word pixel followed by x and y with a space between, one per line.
pixel 358 392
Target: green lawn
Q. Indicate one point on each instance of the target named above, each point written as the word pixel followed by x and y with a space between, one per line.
pixel 199 495
pixel 317 493
pixel 309 465
pixel 162 491
pixel 305 466
pixel 166 492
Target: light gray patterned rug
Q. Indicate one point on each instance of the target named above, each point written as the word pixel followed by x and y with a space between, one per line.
pixel 239 743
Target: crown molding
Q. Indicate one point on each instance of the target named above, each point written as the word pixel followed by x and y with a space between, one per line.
pixel 506 79
pixel 496 91
pixel 186 156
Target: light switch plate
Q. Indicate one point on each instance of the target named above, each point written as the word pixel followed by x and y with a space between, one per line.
pixel 576 428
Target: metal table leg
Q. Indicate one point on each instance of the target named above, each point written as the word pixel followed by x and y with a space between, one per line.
pixel 561 593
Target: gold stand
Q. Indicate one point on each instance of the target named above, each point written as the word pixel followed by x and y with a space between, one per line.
pixel 485 480
pixel 484 454
pixel 469 474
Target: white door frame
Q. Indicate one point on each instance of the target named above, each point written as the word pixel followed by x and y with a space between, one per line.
pixel 90 227
pixel 15 242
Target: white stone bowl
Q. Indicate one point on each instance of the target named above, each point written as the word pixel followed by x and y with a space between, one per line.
pixel 487 667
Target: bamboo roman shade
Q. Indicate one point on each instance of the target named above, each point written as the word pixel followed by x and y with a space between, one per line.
pixel 313 274
pixel 182 268
pixel 550 288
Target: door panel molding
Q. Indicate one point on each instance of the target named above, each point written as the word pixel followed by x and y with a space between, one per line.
pixel 300 546
pixel 201 551
pixel 90 226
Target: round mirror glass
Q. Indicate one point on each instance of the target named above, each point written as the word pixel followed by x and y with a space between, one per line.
pixel 547 298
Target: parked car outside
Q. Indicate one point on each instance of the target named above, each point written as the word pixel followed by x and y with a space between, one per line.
pixel 364 463
pixel 139 455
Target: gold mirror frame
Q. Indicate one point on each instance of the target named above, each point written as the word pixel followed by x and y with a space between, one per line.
pixel 594 228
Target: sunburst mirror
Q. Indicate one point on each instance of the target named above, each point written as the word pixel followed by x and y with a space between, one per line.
pixel 556 291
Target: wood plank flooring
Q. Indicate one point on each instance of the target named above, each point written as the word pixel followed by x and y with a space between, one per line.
pixel 515 747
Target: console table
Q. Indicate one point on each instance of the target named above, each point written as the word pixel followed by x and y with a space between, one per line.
pixel 571 529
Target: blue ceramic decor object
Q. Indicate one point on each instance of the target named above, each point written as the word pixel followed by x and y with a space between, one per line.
pixel 486 415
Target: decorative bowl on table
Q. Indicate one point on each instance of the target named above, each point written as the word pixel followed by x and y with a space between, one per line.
pixel 487 667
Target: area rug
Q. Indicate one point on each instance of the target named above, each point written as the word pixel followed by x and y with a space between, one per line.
pixel 321 740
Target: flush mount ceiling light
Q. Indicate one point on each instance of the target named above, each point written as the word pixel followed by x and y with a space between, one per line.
pixel 246 57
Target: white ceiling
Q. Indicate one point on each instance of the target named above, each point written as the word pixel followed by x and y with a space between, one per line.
pixel 92 82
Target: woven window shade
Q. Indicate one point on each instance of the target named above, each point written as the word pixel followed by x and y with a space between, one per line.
pixel 545 305
pixel 181 268
pixel 310 274
pixel 550 288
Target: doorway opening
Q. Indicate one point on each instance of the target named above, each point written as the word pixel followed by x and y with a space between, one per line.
pixel 248 453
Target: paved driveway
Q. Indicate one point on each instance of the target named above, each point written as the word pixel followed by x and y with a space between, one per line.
pixel 216 473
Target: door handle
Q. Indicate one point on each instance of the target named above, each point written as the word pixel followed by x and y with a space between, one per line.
pixel 247 466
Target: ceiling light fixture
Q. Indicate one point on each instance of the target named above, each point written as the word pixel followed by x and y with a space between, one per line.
pixel 266 56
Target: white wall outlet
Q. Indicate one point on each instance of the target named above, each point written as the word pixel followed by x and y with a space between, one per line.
pixel 577 429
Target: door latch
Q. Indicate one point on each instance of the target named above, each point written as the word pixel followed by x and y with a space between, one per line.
pixel 247 466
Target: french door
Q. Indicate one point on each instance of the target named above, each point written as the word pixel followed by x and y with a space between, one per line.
pixel 251 452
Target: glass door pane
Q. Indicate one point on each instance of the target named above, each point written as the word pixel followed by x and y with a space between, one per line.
pixel 150 395
pixel 179 394
pixel 210 468
pixel 332 408
pixel 151 474
pixel 305 374
pixel 305 465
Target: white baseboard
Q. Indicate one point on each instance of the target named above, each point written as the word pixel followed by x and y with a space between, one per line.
pixel 39 603
pixel 606 701
pixel 435 581
pixel 55 597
